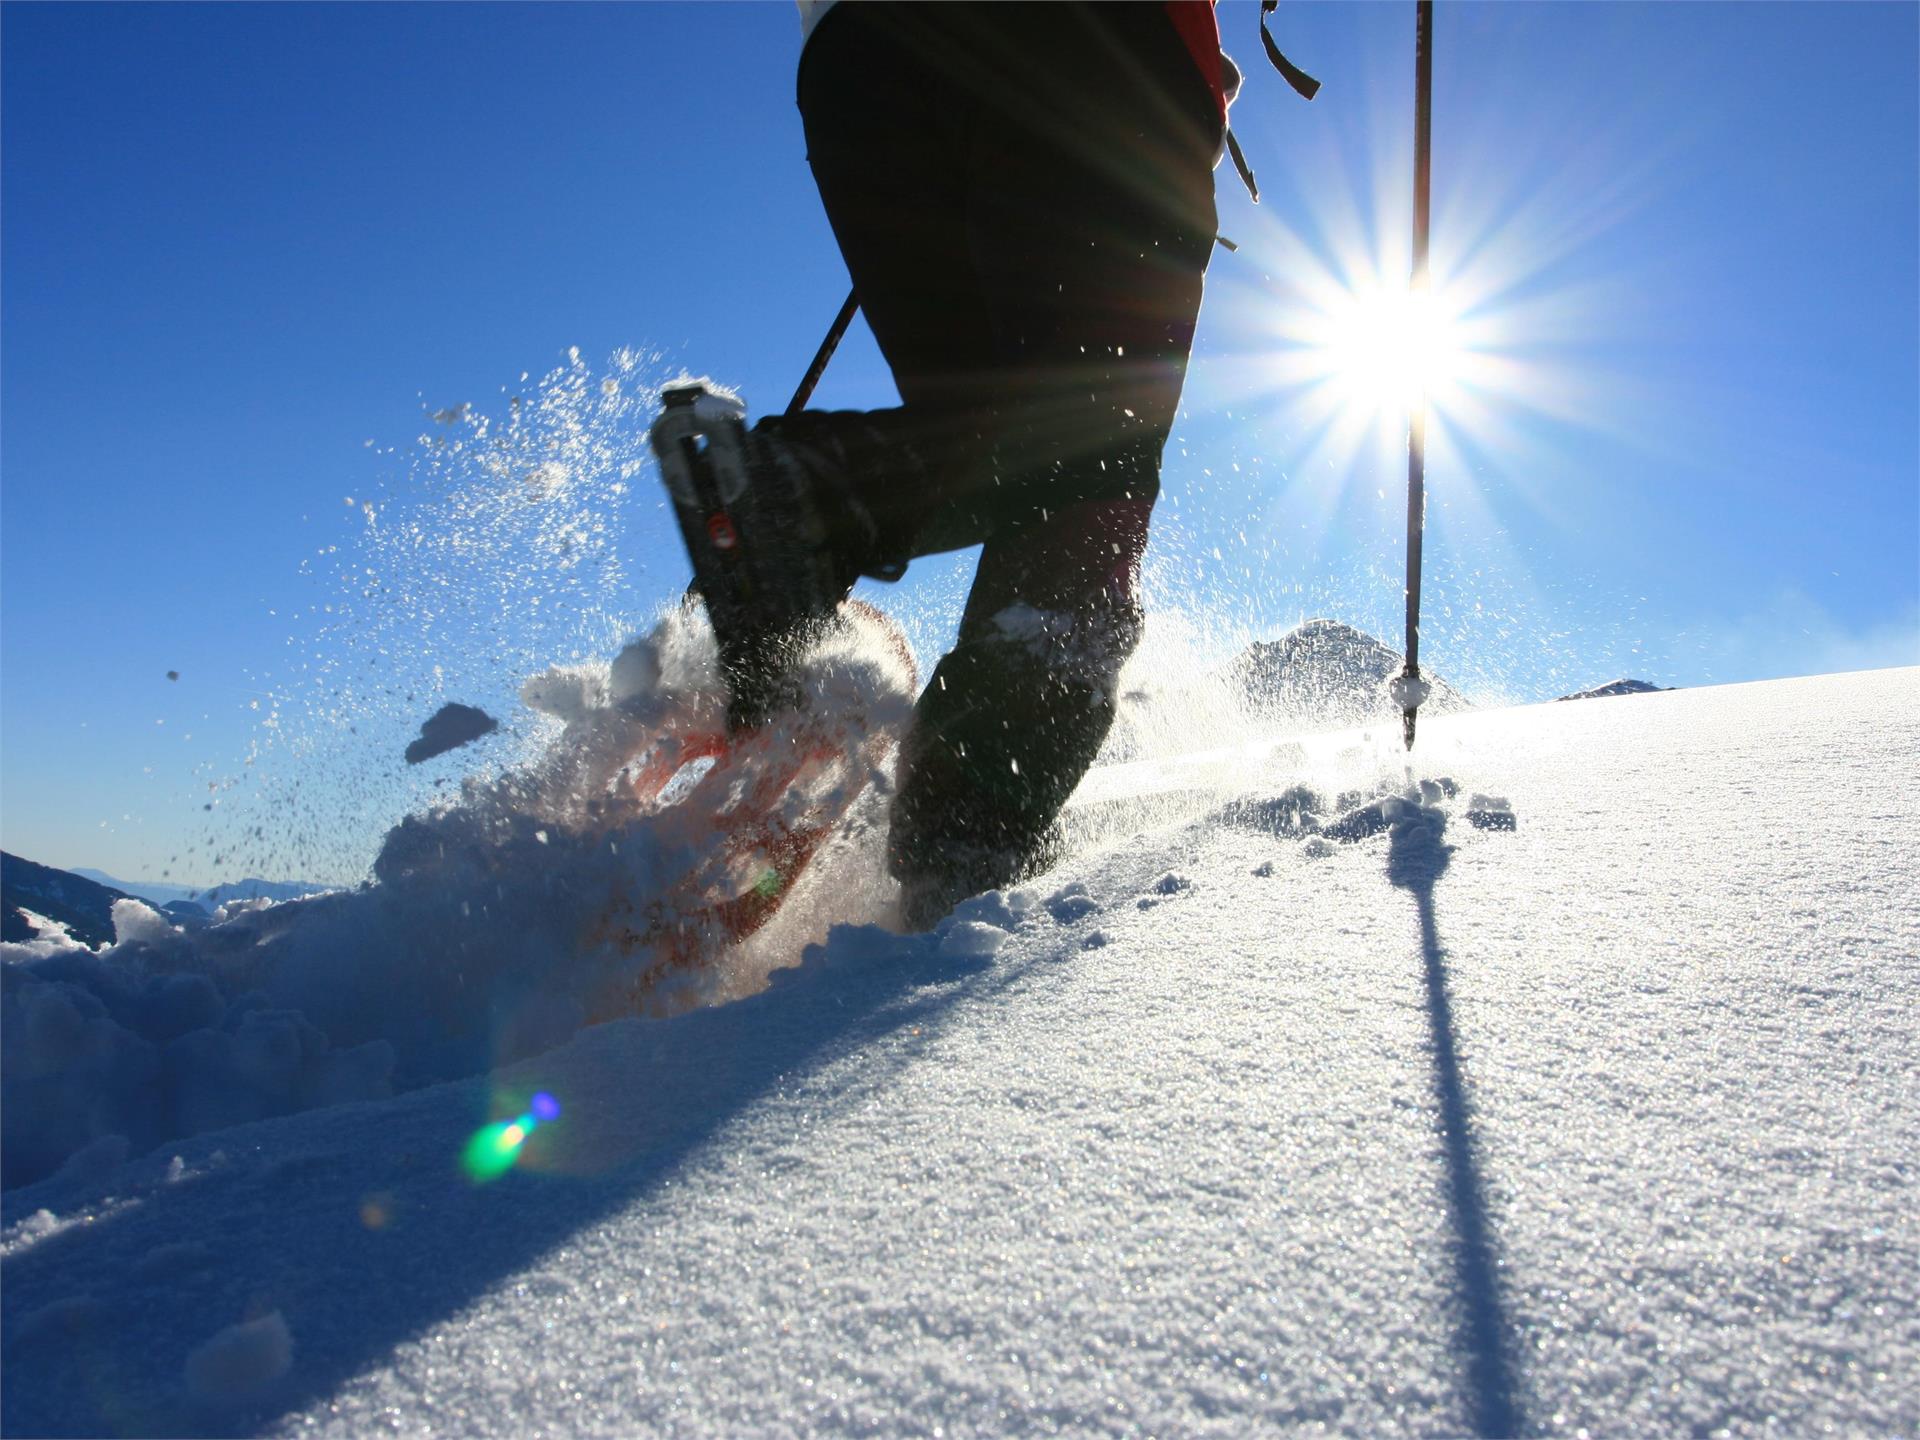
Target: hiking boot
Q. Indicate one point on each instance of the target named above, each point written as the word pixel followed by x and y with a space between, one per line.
pixel 998 742
pixel 774 532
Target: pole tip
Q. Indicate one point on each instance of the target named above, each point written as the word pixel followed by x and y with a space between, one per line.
pixel 1409 692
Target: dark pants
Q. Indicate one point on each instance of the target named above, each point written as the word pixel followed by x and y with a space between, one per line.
pixel 1024 196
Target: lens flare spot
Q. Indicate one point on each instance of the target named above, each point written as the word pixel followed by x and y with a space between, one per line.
pixel 497 1148
pixel 490 1154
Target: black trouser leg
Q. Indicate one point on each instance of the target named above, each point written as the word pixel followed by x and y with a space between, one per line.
pixel 1023 194
pixel 1024 197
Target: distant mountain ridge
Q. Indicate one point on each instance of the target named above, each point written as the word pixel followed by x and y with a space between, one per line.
pixel 1619 687
pixel 1328 673
pixel 209 898
pixel 82 900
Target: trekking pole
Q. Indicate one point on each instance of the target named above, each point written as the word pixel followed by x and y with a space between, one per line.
pixel 1408 689
pixel 824 354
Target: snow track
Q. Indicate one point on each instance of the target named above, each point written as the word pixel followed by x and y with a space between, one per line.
pixel 1402 1125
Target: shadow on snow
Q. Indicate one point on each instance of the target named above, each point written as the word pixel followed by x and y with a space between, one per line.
pixel 1417 856
pixel 365 1241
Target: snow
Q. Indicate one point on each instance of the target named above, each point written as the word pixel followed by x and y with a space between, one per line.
pixel 241 1362
pixel 1375 1120
pixel 500 923
pixel 49 935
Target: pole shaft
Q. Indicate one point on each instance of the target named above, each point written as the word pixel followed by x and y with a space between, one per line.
pixel 824 354
pixel 1422 219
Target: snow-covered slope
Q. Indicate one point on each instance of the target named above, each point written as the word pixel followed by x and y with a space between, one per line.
pixel 31 893
pixel 1593 1111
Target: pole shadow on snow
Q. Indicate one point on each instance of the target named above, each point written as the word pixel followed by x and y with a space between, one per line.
pixel 364 1242
pixel 1417 856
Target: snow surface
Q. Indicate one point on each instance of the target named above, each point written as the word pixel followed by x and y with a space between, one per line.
pixel 1327 1108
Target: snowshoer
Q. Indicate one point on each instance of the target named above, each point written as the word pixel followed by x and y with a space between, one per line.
pixel 1023 194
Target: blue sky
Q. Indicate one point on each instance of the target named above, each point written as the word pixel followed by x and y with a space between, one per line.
pixel 241 242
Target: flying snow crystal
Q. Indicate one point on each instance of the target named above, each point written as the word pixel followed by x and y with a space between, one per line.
pixel 376 1210
pixel 504 546
pixel 448 728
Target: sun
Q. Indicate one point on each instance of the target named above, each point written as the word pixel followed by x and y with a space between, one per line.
pixel 1388 350
pixel 1324 350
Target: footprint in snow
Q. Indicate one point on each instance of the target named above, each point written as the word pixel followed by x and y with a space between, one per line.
pixel 1491 812
pixel 1071 903
pixel 1169 884
pixel 1301 813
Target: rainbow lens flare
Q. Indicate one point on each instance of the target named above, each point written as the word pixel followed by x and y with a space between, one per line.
pixel 496 1148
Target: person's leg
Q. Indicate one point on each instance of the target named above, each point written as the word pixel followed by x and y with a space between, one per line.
pixel 1023 196
pixel 1090 222
pixel 889 125
pixel 1090 217
pixel 1016 712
